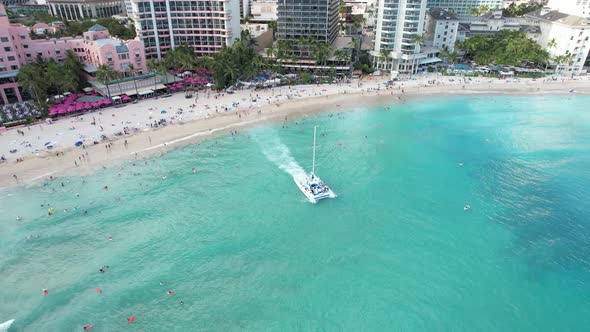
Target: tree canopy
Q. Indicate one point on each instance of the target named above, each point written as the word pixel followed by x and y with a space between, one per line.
pixel 514 10
pixel 239 61
pixel 504 48
pixel 116 28
pixel 43 77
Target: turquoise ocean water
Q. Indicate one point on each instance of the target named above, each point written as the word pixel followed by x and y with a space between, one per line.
pixel 240 246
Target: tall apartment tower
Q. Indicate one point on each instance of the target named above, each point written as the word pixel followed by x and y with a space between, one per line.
pixel 244 9
pixel 398 24
pixel 204 25
pixel 461 7
pixel 315 19
pixel 571 7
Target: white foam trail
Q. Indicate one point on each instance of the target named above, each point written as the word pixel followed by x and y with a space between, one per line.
pixel 280 155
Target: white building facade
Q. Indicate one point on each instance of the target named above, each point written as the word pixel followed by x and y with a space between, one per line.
pixel 571 7
pixel 442 29
pixel 461 7
pixel 571 35
pixel 264 10
pixel 398 24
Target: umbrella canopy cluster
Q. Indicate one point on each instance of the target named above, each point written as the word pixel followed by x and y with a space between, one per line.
pixel 70 104
pixel 197 71
pixel 196 80
pixel 19 111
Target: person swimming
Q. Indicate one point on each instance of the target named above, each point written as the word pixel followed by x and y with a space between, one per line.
pixel 103 269
pixel 467 207
pixel 162 283
pixel 87 327
pixel 45 292
pixel 169 292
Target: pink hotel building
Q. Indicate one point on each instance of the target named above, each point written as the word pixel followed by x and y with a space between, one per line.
pixel 94 48
pixel 204 25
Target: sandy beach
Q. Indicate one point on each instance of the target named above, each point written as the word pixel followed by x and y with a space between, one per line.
pixel 133 131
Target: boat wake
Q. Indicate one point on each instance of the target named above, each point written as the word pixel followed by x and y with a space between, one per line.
pixel 279 154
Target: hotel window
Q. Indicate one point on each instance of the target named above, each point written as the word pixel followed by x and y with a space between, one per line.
pixel 14 67
pixel 25 46
pixel 23 37
pixel 4 39
pixel 11 58
pixel 7 49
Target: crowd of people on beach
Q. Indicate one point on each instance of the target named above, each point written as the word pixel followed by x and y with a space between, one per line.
pixel 104 126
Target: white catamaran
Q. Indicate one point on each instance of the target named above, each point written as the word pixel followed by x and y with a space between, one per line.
pixel 311 185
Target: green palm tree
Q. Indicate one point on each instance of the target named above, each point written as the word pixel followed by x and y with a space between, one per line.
pixel 73 65
pixel 152 66
pixel 342 56
pixel 132 72
pixel 162 69
pixel 246 39
pixel 321 52
pixel 418 40
pixel 55 75
pixel 104 74
pixel 384 55
pixel 31 77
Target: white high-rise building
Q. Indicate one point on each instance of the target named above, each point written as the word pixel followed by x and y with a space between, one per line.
pixel 461 7
pixel 244 9
pixel 571 7
pixel 398 24
pixel 206 26
pixel 564 34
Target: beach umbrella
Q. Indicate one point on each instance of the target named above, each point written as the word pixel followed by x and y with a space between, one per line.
pixel 78 143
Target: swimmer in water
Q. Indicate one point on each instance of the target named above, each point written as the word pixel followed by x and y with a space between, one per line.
pixel 106 187
pixel 19 218
pixel 162 283
pixel 169 292
pixel 194 170
pixel 45 292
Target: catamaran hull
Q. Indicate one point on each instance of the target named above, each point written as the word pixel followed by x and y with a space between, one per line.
pixel 310 196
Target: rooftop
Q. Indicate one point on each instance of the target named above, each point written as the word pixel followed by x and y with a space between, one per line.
pixel 442 14
pixel 556 16
pixel 97 27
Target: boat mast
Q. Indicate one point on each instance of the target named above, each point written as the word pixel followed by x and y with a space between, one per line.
pixel 313 159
